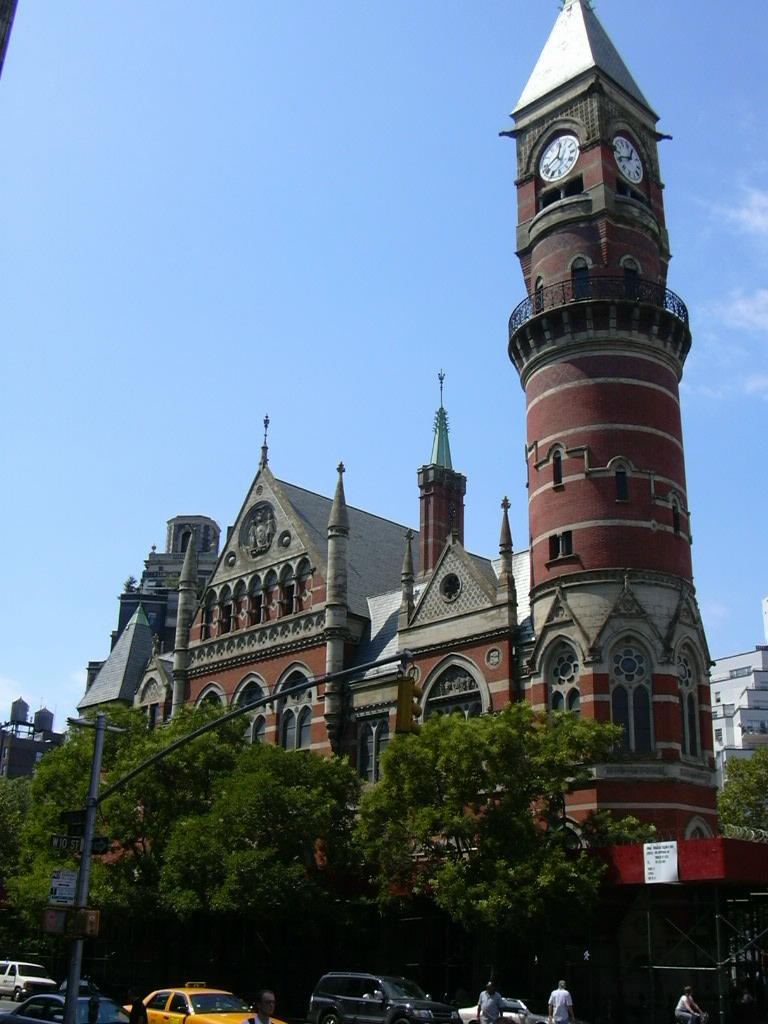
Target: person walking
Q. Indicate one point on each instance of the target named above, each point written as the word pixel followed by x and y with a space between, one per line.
pixel 264 1007
pixel 686 1011
pixel 560 1007
pixel 489 1005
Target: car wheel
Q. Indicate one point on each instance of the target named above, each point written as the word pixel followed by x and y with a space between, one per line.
pixel 401 1020
pixel 330 1018
pixel 18 995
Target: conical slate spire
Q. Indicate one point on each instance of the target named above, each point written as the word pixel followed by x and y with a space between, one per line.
pixel 577 43
pixel 189 567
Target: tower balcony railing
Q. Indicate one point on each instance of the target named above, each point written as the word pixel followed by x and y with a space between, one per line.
pixel 582 289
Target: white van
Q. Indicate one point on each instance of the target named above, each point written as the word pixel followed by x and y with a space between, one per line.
pixel 19 980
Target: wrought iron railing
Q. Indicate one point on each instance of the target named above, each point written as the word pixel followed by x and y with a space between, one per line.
pixel 582 289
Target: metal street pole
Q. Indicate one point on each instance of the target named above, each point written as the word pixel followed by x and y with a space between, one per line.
pixel 84 874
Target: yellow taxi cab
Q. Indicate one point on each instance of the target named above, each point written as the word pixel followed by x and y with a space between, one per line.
pixel 194 999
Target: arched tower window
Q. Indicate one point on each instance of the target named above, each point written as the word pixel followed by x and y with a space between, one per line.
pixel 631 697
pixel 303 586
pixel 258 730
pixel 557 467
pixel 631 277
pixel 288 730
pixel 689 704
pixel 564 690
pixel 185 539
pixel 622 484
pixel 239 607
pixel 580 278
pixel 208 615
pixel 538 295
pixel 455 690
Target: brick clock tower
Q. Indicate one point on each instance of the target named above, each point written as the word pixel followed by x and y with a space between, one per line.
pixel 599 344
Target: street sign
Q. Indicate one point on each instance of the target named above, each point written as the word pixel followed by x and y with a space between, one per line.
pixel 71 844
pixel 63 887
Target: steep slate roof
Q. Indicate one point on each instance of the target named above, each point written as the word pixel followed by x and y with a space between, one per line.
pixel 375 550
pixel 577 43
pixel 120 674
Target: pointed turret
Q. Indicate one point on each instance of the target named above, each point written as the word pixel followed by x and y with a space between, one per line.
pixel 577 45
pixel 184 616
pixel 442 492
pixel 336 610
pixel 506 586
pixel 119 676
pixel 406 581
pixel 264 447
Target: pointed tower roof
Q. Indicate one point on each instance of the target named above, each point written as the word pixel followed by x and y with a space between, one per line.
pixel 189 568
pixel 441 448
pixel 576 44
pixel 120 674
pixel 339 519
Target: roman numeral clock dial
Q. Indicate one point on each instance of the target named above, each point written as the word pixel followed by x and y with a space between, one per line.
pixel 628 159
pixel 559 157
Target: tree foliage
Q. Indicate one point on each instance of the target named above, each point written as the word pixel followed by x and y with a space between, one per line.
pixel 470 813
pixel 217 824
pixel 743 800
pixel 14 803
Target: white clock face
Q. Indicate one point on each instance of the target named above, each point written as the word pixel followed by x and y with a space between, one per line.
pixel 559 157
pixel 628 159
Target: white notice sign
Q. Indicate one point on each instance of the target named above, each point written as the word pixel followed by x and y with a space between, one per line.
pixel 63 887
pixel 660 862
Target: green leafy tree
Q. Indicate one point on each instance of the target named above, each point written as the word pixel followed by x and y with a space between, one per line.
pixel 14 803
pixel 471 814
pixel 743 800
pixel 277 837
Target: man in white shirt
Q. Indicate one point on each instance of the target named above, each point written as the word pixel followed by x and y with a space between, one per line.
pixel 489 1005
pixel 560 1004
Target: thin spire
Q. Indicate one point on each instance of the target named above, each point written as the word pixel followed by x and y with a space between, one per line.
pixel 339 520
pixel 441 449
pixel 264 447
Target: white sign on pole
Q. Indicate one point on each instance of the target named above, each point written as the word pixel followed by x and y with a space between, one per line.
pixel 660 862
pixel 63 887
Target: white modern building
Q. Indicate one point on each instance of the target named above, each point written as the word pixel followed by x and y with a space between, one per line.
pixel 739 687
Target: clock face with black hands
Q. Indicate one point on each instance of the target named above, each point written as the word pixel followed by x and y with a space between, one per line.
pixel 559 157
pixel 627 159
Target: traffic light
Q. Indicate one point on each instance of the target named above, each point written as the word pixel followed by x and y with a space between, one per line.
pixel 408 705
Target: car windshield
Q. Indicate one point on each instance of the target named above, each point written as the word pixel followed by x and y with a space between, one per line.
pixel 98 1010
pixel 402 988
pixel 33 971
pixel 217 1002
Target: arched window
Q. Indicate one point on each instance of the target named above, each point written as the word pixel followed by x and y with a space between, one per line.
pixel 212 699
pixel 287 591
pixel 373 738
pixel 564 690
pixel 288 730
pixel 622 486
pixel 185 539
pixel 271 596
pixel 675 505
pixel 208 616
pixel 631 280
pixel 303 586
pixel 689 704
pixel 239 607
pixel 304 735
pixel 295 713
pixel 557 467
pixel 538 295
pixel 225 611
pixel 454 690
pixel 258 729
pixel 580 278
pixel 255 602
pixel 631 697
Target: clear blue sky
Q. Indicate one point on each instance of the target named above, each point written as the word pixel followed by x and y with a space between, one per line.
pixel 213 210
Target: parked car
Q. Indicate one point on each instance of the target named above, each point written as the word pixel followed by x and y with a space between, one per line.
pixel 513 1010
pixel 351 998
pixel 19 979
pixel 206 1005
pixel 92 1009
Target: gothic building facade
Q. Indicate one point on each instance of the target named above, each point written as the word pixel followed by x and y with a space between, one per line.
pixel 598 617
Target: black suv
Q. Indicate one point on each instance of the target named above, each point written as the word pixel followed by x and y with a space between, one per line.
pixel 345 998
